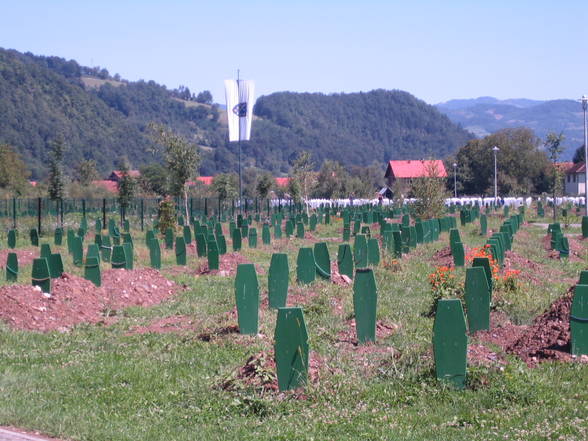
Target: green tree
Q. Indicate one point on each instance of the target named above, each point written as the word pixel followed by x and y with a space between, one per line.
pixel 265 182
pixel 86 172
pixel 13 171
pixel 181 157
pixel 579 155
pixel 204 97
pixel 553 146
pixel 303 178
pixel 430 193
pixel 522 165
pixel 126 186
pixel 226 185
pixel 153 179
pixel 56 188
pixel 331 180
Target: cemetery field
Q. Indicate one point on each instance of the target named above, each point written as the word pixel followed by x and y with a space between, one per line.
pixel 176 367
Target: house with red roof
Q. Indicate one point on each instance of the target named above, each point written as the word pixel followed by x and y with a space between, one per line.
pixel 116 175
pixel 403 172
pixel 282 182
pixel 575 183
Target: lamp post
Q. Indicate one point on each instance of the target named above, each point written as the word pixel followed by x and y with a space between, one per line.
pixel 584 100
pixel 495 149
pixel 455 180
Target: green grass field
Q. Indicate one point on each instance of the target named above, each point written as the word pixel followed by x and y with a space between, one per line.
pixel 106 383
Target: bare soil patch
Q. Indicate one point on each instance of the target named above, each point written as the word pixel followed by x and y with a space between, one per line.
pixel 25 255
pixel 76 300
pixel 227 265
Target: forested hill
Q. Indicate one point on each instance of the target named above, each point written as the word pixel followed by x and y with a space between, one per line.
pixel 102 117
pixel 98 117
pixel 355 128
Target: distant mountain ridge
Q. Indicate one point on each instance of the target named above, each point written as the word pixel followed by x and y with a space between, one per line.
pixel 486 115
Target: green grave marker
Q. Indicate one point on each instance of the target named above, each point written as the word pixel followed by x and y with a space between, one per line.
pixel 92 271
pixel 398 245
pixel 92 251
pixel 305 266
pixel 40 275
pixel 236 239
pixel 300 230
pixel 477 298
pixel 360 251
pixel 58 236
pixel 322 260
pixel 584 226
pixel 149 235
pixel 187 235
pixel 450 342
pixel 129 255
pixel 77 251
pixel 98 226
pixel 289 228
pixel 34 236
pixel 365 301
pixel 169 239
pixel 106 248
pixel 312 222
pixel 583 278
pixel 579 321
pixel 247 298
pixel 118 259
pixel 11 267
pixel 212 255
pixel 278 280
pixel 484 262
pixel 373 252
pixel 45 251
pixel 454 236
pixel 458 254
pixel 265 234
pixel 252 239
pixel 345 260
pixel 55 265
pixel 201 244
pixel 98 240
pixel 291 349
pixel 12 239
pixel 180 251
pixel 483 225
pixel 278 230
pixel 154 253
pixel 564 250
pixel 221 243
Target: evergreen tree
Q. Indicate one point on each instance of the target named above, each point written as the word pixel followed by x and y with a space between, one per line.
pixel 56 176
pixel 126 186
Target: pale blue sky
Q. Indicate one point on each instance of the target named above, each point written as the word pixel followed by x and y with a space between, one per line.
pixel 436 50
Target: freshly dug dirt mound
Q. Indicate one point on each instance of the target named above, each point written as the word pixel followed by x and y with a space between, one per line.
pixel 75 300
pixel 443 257
pixel 25 256
pixel 259 372
pixel 227 265
pixel 549 336
pixel 383 330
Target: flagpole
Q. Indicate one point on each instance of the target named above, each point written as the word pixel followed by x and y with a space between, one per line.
pixel 240 184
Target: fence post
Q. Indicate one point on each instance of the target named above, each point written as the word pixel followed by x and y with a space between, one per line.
pixel 83 208
pixel 104 213
pixel 39 216
pixel 142 215
pixel 191 209
pixel 61 210
pixel 14 213
pixel 206 207
pixel 219 210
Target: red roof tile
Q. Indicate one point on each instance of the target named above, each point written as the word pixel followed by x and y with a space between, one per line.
pixel 282 182
pixel 109 185
pixel 580 167
pixel 414 168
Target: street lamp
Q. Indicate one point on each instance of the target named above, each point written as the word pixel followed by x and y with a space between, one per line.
pixel 455 180
pixel 495 149
pixel 584 100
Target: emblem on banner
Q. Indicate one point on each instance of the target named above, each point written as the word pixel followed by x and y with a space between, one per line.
pixel 240 110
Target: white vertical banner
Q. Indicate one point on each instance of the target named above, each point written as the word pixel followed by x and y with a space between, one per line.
pixel 240 98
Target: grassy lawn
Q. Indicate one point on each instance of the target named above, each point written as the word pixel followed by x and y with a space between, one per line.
pixel 101 382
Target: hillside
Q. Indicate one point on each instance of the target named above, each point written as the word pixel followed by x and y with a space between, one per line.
pixel 355 128
pixel 486 115
pixel 102 117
